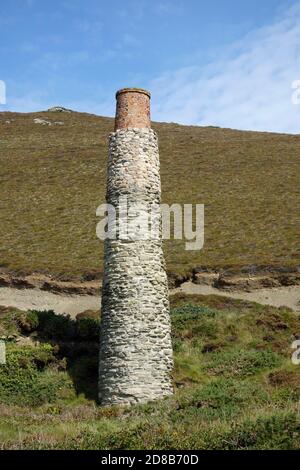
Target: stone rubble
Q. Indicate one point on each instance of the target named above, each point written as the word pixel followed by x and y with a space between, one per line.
pixel 44 122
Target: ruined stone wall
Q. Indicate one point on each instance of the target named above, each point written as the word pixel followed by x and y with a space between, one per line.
pixel 135 342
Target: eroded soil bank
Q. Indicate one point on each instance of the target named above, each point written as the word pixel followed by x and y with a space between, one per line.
pixel 247 279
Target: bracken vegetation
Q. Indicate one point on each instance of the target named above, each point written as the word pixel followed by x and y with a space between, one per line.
pixel 235 384
pixel 53 179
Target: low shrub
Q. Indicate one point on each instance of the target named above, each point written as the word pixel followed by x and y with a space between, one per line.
pixel 242 362
pixel 25 379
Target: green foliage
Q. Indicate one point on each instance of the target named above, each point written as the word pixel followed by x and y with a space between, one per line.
pixel 278 431
pixel 233 388
pixel 25 379
pixel 9 321
pixel 88 328
pixel 60 327
pixel 192 312
pixel 50 326
pixel 222 398
pixel 242 362
pixel 29 321
pixel 193 321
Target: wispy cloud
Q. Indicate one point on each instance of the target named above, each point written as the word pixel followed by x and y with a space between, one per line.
pixel 35 101
pixel 134 10
pixel 89 27
pixel 57 61
pixel 247 87
pixel 165 7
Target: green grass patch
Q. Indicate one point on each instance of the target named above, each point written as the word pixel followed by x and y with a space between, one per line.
pixel 242 363
pixel 235 385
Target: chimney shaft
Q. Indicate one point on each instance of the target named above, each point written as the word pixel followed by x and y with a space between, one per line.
pixel 133 108
pixel 136 356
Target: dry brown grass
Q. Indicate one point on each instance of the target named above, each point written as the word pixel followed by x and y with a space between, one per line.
pixel 53 178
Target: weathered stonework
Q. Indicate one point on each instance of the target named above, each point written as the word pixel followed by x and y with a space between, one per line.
pixel 135 342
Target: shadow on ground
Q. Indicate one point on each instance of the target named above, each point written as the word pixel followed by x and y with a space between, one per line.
pixel 76 342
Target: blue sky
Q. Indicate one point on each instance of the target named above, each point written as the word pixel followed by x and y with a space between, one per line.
pixel 220 62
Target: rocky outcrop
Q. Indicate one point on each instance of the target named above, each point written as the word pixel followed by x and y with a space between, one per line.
pixel 58 109
pixel 44 122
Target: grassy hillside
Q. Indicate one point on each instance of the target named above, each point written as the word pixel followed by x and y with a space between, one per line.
pixel 235 385
pixel 53 178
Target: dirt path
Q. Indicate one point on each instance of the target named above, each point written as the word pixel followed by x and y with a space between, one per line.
pixel 278 296
pixel 36 299
pixel 26 299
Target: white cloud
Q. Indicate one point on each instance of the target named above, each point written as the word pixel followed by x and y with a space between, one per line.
pixel 31 102
pixel 248 87
pixel 89 27
pixel 57 61
pixel 165 7
pixel 129 40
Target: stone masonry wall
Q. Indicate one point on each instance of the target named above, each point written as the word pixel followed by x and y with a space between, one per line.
pixel 135 342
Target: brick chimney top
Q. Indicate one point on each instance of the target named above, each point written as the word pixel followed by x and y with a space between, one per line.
pixel 133 108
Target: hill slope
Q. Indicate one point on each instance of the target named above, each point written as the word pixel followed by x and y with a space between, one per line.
pixel 53 179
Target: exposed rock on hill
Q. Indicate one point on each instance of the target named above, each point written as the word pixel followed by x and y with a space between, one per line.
pixel 58 109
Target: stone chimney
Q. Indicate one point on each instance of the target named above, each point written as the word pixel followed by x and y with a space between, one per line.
pixel 133 108
pixel 136 356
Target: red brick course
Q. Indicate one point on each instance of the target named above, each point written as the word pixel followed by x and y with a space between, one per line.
pixel 133 108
